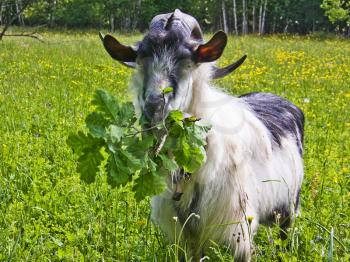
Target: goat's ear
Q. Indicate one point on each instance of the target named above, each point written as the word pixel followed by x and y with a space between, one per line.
pixel 124 54
pixel 212 50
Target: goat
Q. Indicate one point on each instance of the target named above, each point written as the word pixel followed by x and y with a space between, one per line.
pixel 254 167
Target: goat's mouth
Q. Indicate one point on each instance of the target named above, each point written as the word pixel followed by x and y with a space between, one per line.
pixel 155 115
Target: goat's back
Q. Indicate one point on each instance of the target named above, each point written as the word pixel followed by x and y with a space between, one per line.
pixel 280 116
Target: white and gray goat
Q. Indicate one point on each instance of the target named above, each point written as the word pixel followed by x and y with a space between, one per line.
pixel 254 167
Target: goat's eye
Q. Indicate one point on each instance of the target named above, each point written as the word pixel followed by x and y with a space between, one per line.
pixel 172 80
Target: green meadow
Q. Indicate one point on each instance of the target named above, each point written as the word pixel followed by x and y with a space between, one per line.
pixel 48 214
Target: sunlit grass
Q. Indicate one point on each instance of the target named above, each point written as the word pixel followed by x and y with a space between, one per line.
pixel 45 89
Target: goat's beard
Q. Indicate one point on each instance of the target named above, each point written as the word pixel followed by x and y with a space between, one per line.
pixel 157 118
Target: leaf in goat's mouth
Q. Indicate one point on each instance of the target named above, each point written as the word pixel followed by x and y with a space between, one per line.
pixel 135 150
pixel 168 90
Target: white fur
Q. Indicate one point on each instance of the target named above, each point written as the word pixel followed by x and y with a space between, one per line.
pixel 242 177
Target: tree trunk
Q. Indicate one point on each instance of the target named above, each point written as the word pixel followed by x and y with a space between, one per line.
pixel 235 16
pixel 127 23
pixel 263 19
pixel 260 16
pixel 244 18
pixel 53 4
pixel 137 14
pixel 253 18
pixel 220 25
pixel 2 10
pixel 111 22
pixel 17 9
pixel 285 30
pixel 224 19
pixel 19 14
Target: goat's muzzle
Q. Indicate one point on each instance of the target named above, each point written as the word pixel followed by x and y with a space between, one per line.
pixel 154 107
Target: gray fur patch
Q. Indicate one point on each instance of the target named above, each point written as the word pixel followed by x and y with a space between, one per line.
pixel 280 116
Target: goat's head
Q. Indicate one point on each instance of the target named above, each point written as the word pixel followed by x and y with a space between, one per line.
pixel 167 57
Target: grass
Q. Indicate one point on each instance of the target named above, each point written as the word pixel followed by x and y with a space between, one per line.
pixel 46 213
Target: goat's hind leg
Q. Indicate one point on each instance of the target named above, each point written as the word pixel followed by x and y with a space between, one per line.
pixel 285 223
pixel 287 219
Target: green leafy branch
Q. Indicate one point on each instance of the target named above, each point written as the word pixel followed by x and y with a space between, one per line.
pixel 143 155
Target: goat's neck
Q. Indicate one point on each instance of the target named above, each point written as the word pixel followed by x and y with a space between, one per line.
pixel 205 97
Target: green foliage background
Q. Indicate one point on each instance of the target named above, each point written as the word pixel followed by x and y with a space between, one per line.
pixel 293 16
pixel 46 213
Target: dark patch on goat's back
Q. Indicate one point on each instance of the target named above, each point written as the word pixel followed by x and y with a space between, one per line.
pixel 280 116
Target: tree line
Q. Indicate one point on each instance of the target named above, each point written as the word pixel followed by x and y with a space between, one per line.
pixel 233 16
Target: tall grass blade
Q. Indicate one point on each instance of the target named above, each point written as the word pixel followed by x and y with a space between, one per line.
pixel 331 244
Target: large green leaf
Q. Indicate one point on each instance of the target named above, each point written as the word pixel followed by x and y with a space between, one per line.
pixel 131 161
pixel 139 146
pixel 176 115
pixel 127 114
pixel 116 175
pixel 168 163
pixel 196 134
pixel 89 164
pixel 88 149
pixel 78 142
pixel 188 155
pixel 114 133
pixel 182 151
pixel 96 124
pixel 196 160
pixel 106 103
pixel 148 184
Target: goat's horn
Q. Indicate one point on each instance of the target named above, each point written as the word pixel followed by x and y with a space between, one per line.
pixel 185 21
pixel 158 22
pixel 101 36
pixel 191 22
pixel 221 72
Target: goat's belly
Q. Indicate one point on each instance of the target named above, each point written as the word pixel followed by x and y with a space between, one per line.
pixel 273 187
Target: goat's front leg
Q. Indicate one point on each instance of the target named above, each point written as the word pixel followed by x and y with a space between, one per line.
pixel 164 215
pixel 242 239
pixel 194 252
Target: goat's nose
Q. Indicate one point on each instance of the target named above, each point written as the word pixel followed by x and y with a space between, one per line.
pixel 154 99
pixel 154 105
